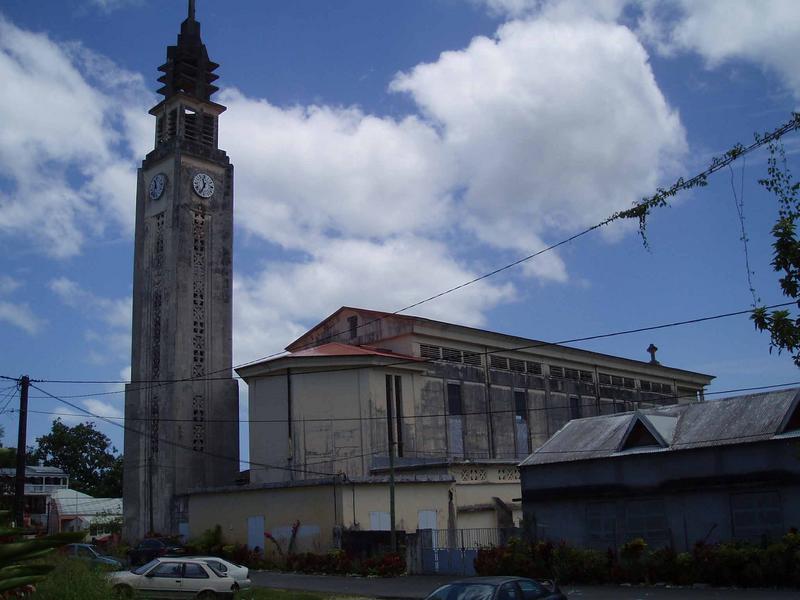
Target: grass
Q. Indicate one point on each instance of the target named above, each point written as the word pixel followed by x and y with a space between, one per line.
pixel 73 580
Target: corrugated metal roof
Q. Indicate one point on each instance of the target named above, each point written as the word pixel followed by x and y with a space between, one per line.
pixel 72 502
pixel 735 420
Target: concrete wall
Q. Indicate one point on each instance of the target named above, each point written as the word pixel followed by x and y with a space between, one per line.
pixel 358 500
pixel 694 487
pixel 315 506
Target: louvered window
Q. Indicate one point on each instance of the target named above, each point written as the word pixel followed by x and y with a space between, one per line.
pixel 572 374
pixel 472 358
pixel 451 355
pixel 534 368
pixel 499 362
pixel 587 376
pixel 654 386
pixel 428 351
pixel 516 365
pixel 556 371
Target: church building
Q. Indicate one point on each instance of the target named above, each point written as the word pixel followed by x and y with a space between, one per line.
pixel 181 407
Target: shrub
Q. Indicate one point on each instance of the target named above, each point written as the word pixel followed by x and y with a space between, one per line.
pixel 74 580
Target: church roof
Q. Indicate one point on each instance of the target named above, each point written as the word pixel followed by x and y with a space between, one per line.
pixel 188 69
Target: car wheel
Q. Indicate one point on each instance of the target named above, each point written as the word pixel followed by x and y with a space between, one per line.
pixel 123 591
pixel 207 595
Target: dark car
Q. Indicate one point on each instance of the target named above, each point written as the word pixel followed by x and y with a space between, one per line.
pixel 497 588
pixel 151 548
pixel 91 554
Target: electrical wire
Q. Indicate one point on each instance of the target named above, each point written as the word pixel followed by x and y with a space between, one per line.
pixel 588 403
pixel 173 443
pixel 420 360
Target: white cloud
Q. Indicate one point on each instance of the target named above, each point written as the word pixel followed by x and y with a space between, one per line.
pixel 273 306
pixel 304 173
pixel 112 5
pixel 554 126
pixel 63 151
pixel 766 33
pixel 17 314
pixel 564 9
pixel 114 315
pixel 21 315
pixel 102 409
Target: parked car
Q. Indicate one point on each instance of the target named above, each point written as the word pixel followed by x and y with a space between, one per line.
pixel 173 577
pixel 151 548
pixel 497 588
pixel 239 572
pixel 92 554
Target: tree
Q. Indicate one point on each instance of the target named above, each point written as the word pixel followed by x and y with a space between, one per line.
pixel 86 455
pixel 784 329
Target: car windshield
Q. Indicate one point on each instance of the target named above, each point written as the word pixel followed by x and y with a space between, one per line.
pixel 144 568
pixel 463 591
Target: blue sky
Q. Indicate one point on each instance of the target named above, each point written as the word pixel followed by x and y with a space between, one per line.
pixel 386 151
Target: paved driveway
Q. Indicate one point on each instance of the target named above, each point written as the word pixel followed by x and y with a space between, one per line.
pixel 419 586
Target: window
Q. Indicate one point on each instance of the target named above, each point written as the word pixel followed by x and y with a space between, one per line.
pixel 520 406
pixel 167 569
pixel 394 411
pixel 454 406
pixel 534 368
pixel 532 590
pixel 656 387
pixel 575 409
pixel 194 571
pixel 616 380
pixel 756 514
pixel 508 592
pixel 428 351
pixel 521 431
pixel 379 521
pixel 455 421
pixel 352 323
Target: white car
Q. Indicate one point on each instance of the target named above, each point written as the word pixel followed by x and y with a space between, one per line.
pixel 174 578
pixel 239 572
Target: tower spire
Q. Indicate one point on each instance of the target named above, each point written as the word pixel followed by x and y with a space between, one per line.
pixel 188 69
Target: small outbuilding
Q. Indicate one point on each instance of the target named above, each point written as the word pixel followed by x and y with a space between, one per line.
pixel 713 471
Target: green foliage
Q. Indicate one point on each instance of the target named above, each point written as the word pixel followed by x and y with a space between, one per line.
pixel 74 580
pixel 16 553
pixel 86 455
pixel 728 564
pixel 784 329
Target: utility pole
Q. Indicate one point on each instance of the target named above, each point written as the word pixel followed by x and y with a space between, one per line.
pixel 19 488
pixel 389 420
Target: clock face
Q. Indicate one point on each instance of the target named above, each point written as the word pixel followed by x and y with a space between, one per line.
pixel 157 185
pixel 203 185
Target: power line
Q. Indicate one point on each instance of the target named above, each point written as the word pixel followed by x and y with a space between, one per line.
pixel 173 443
pixel 590 402
pixel 640 210
pixel 420 360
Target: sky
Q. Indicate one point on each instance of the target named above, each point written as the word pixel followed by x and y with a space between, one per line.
pixel 387 151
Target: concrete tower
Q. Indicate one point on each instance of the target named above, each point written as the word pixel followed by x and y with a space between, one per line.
pixel 181 408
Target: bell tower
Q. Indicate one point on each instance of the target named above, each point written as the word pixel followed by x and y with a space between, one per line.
pixel 181 407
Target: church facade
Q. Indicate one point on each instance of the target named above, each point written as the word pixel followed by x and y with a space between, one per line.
pixel 181 407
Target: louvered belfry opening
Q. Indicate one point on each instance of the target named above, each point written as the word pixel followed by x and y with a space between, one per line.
pixel 188 69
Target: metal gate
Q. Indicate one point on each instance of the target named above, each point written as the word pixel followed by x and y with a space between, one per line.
pixel 453 551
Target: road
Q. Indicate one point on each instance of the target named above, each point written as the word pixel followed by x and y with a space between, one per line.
pixel 415 587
